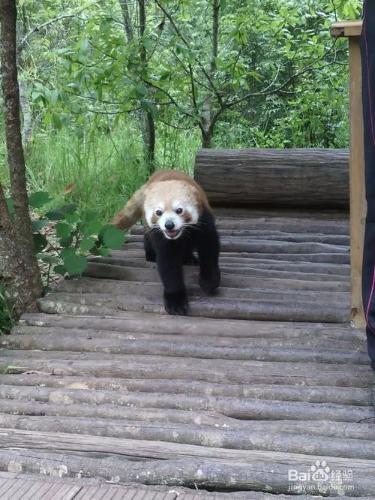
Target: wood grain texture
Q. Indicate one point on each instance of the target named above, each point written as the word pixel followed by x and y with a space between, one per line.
pixel 358 204
pixel 102 384
pixel 272 177
pixel 346 29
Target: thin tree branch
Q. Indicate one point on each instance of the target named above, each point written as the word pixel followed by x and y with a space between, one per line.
pixel 127 21
pixel 40 27
pixel 186 43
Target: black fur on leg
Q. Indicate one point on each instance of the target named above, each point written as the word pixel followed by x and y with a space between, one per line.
pixel 176 303
pixel 208 246
pixel 170 259
pixel 149 249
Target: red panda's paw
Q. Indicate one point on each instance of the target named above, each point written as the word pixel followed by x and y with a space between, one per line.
pixel 210 281
pixel 176 303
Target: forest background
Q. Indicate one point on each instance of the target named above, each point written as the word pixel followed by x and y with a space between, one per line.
pixel 112 89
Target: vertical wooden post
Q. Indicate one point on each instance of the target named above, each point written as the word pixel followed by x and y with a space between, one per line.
pixel 358 207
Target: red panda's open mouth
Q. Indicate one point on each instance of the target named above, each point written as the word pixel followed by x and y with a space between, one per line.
pixel 173 233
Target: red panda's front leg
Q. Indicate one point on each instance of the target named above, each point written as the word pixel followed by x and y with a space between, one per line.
pixel 170 259
pixel 208 246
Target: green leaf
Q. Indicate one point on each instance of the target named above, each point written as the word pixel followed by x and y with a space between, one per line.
pixel 112 237
pixel 60 269
pixel 56 121
pixel 90 228
pixel 61 212
pixel 140 90
pixel 87 244
pixel 54 95
pixel 148 44
pixel 38 199
pixel 40 242
pixel 37 225
pixel 72 218
pixel 103 251
pixel 75 264
pixel 66 252
pixel 63 230
pixel 67 241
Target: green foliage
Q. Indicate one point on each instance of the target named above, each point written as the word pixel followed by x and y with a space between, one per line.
pixel 75 235
pixel 86 77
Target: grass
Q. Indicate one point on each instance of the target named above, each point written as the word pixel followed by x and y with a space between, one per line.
pixel 105 167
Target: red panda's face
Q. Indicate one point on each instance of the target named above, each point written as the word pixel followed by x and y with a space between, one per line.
pixel 171 206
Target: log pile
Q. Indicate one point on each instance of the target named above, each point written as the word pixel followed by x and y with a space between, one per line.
pixel 266 377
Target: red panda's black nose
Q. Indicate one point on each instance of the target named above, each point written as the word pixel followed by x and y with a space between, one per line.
pixel 169 225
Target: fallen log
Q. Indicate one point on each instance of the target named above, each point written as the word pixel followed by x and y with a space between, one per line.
pixel 291 258
pixel 269 177
pixel 115 289
pixel 109 271
pixel 348 395
pixel 118 344
pixel 242 408
pixel 169 463
pixel 266 309
pixel 265 246
pixel 236 439
pixel 201 419
pixel 250 235
pixel 121 258
pixel 263 373
pixel 197 326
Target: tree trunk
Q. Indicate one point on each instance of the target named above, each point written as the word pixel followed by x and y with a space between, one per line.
pixel 27 121
pixel 16 235
pixel 127 21
pixel 206 138
pixel 149 135
pixel 208 121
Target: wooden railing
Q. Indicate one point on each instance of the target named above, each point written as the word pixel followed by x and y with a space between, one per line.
pixel 352 30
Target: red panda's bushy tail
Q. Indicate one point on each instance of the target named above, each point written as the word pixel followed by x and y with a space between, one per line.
pixel 132 211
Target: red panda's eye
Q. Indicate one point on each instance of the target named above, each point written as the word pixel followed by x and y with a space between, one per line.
pixel 179 211
pixel 158 212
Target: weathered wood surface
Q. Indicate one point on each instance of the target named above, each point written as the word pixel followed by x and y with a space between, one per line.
pixel 102 384
pixel 16 486
pixel 346 29
pixel 264 177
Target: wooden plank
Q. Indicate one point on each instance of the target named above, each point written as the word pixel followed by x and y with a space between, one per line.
pixel 243 408
pixel 257 372
pixel 267 310
pixel 358 206
pixel 171 464
pixel 347 395
pixel 181 347
pixel 130 321
pixel 346 29
pixel 29 489
pixel 235 439
pixel 252 177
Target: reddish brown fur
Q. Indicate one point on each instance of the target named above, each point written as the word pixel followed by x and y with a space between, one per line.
pixel 175 175
pixel 133 210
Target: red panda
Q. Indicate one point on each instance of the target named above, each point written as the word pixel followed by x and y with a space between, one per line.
pixel 179 221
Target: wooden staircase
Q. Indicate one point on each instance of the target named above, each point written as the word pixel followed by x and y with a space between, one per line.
pixel 262 382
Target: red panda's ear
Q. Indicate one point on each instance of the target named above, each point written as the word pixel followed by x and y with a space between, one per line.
pixel 202 201
pixel 198 199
